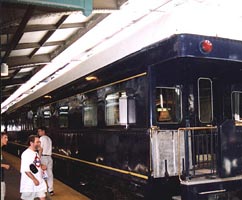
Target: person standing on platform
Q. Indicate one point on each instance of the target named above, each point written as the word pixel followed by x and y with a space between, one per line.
pixel 32 184
pixel 45 152
pixel 4 141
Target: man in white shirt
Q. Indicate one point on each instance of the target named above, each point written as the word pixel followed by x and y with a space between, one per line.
pixel 45 153
pixel 32 184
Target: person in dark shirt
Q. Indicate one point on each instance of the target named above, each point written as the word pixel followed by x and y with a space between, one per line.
pixel 4 141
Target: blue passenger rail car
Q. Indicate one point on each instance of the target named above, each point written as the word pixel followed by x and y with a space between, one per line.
pixel 162 123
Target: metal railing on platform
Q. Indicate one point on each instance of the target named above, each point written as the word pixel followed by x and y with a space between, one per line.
pixel 200 145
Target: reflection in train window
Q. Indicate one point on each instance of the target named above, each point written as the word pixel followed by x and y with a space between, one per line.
pixel 237 106
pixel 63 116
pixel 127 109
pixel 168 105
pixel 90 112
pixel 35 121
pixel 46 115
pixel 112 109
pixel 205 100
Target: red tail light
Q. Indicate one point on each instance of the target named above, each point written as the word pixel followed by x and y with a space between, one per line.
pixel 206 46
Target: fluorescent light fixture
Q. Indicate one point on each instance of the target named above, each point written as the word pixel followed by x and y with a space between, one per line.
pixel 47 97
pixel 27 69
pixel 91 78
pixel 4 69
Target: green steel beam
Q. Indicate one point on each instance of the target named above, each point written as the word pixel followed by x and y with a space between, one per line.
pixel 84 5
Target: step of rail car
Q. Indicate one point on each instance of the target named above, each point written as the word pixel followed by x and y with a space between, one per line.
pixel 203 180
pixel 210 188
pixel 176 198
pixel 211 192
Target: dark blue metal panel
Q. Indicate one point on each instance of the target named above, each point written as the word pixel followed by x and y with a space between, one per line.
pixel 231 149
pixel 188 45
pixel 226 49
pixel 84 5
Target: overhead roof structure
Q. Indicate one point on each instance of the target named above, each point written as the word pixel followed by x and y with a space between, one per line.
pixel 34 32
pixel 72 49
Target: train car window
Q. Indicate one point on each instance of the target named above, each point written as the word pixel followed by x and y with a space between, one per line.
pixel 112 109
pixel 29 121
pixel 205 100
pixel 2 127
pixel 46 116
pixel 75 112
pixel 63 116
pixel 15 126
pixel 168 105
pixel 90 112
pixel 237 106
pixel 35 121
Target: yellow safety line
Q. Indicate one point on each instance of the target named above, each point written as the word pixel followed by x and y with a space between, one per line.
pixel 95 164
pixel 104 166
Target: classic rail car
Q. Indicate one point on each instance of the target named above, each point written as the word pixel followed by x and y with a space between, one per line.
pixel 161 123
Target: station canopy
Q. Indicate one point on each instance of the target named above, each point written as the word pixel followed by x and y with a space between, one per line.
pixel 33 32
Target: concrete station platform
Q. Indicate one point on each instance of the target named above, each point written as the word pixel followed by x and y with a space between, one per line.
pixel 12 179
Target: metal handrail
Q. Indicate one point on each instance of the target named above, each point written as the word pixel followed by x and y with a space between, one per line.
pixel 178 135
pixel 238 123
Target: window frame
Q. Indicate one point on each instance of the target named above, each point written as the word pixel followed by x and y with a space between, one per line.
pixel 105 108
pixel 66 115
pixel 211 100
pixel 181 105
pixel 93 102
pixel 232 106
